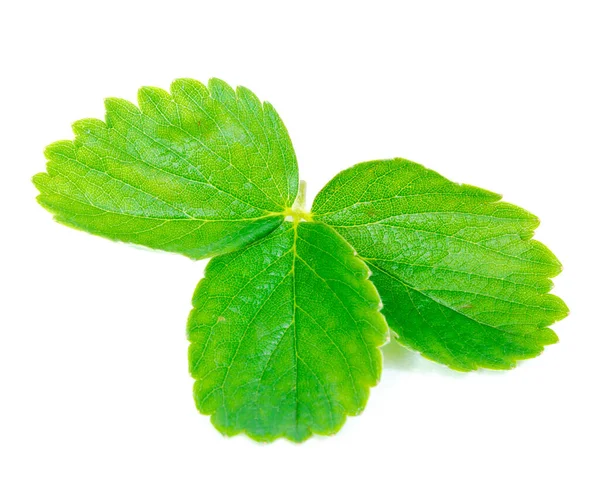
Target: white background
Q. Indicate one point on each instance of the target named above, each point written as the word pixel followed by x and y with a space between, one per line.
pixel 503 95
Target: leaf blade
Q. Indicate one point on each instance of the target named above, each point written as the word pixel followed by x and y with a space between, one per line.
pixel 461 280
pixel 192 171
pixel 269 360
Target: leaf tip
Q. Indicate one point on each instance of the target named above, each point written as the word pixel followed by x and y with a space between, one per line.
pixel 219 88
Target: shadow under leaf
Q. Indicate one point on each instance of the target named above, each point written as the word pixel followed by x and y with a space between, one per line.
pixel 399 358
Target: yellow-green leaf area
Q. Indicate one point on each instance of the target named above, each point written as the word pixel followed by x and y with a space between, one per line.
pixel 200 170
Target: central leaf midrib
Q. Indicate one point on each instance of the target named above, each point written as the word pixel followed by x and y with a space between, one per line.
pixel 293 323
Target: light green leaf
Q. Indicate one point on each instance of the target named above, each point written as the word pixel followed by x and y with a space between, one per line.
pixel 200 171
pixel 285 335
pixel 460 278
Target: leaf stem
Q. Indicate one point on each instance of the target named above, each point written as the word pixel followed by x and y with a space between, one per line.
pixel 297 212
pixel 300 202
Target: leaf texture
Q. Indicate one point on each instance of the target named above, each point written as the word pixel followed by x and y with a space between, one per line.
pixel 460 278
pixel 285 335
pixel 198 171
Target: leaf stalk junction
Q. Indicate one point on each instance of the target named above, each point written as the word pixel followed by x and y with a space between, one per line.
pixel 298 211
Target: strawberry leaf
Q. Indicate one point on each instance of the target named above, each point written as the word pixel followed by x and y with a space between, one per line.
pixel 285 335
pixel 200 171
pixel 460 278
pixel 286 326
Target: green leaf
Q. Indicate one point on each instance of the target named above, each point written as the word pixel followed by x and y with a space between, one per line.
pixel 285 335
pixel 460 278
pixel 286 326
pixel 200 171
